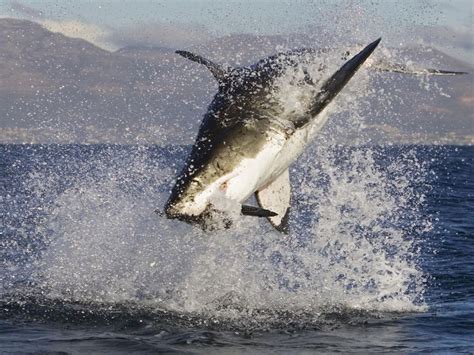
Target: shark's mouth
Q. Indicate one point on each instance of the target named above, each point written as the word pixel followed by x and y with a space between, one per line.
pixel 214 218
pixel 210 219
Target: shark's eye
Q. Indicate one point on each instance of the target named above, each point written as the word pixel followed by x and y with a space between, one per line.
pixel 195 183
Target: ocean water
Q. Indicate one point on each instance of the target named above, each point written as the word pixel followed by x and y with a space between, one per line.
pixel 379 257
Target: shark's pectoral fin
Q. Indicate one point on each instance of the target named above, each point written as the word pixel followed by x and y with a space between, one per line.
pixel 218 71
pixel 276 196
pixel 404 69
pixel 257 211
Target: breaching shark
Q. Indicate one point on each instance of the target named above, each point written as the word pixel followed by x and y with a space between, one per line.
pixel 248 139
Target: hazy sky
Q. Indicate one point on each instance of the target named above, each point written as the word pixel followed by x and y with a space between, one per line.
pixel 445 23
pixel 239 15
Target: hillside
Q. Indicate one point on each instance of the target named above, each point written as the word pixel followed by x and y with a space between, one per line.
pixel 61 89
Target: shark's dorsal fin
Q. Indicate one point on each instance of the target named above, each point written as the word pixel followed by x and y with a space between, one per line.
pixel 218 71
pixel 276 196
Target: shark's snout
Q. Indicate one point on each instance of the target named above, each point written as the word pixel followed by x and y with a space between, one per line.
pixel 171 211
pixel 184 208
pixel 175 208
pixel 210 219
pixel 174 211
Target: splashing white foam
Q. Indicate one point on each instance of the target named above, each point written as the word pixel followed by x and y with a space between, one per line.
pixel 346 248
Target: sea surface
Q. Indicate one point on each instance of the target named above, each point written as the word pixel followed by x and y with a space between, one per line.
pixel 379 257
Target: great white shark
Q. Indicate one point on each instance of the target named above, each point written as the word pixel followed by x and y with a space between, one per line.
pixel 248 139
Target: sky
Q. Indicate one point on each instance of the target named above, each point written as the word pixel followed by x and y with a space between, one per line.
pixel 111 24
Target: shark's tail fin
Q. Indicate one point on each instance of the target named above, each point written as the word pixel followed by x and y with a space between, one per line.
pixel 334 84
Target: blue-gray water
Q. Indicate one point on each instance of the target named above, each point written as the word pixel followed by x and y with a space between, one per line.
pixel 379 257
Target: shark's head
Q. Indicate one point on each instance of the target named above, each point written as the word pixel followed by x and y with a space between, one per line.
pixel 188 198
pixel 193 205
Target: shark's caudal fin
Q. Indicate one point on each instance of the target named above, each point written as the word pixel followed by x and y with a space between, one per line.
pixel 404 69
pixel 276 196
pixel 336 83
pixel 218 71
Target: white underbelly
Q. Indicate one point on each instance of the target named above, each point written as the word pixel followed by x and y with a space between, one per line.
pixel 252 173
pixel 277 154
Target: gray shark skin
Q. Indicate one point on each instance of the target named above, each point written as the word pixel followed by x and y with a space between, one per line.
pixel 245 142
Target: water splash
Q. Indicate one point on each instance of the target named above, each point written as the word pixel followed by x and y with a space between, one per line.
pixel 352 244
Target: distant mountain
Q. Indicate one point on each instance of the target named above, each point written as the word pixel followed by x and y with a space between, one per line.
pixel 144 50
pixel 55 82
pixel 61 89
